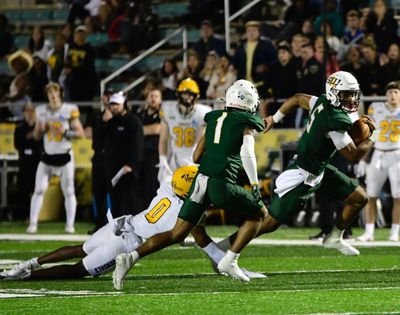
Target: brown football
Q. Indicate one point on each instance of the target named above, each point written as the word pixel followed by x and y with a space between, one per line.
pixel 359 131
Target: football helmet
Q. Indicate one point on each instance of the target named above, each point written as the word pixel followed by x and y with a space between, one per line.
pixel 182 180
pixel 242 95
pixel 187 86
pixel 343 90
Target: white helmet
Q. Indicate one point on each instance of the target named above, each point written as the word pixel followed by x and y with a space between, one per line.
pixel 243 95
pixel 343 91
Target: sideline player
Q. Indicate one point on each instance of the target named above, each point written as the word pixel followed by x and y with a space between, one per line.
pixel 122 235
pixel 326 132
pixel 227 145
pixel 182 125
pixel 385 161
pixel 59 123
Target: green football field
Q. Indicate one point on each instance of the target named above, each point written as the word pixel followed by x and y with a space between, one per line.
pixel 302 279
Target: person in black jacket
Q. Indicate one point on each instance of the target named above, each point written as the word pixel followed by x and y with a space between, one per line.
pixel 97 130
pixel 150 118
pixel 29 151
pixel 123 157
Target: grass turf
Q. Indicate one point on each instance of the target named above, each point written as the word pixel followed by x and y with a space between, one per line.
pixel 301 280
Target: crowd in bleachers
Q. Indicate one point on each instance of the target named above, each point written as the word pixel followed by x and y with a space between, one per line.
pixel 294 53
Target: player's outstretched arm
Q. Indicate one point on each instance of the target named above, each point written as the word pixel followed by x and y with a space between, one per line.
pixel 200 148
pixel 297 100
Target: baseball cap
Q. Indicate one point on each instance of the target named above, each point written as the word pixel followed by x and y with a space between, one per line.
pixel 81 28
pixel 117 98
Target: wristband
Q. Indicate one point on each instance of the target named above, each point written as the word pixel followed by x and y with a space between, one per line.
pixel 278 116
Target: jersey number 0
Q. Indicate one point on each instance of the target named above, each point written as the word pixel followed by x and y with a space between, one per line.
pixel 158 210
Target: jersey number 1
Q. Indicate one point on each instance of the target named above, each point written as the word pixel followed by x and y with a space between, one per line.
pixel 220 121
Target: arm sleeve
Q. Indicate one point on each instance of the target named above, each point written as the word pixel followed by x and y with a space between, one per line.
pixel 340 139
pixel 312 102
pixel 248 158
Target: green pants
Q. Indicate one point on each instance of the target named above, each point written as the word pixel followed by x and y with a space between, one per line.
pixel 334 184
pixel 223 195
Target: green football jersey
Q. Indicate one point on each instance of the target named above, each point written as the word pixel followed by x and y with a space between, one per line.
pixel 316 148
pixel 224 137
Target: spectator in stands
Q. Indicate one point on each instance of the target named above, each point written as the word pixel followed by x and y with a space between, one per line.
pixel 56 59
pixel 333 17
pixel 150 118
pixel 210 67
pixel 168 75
pixel 106 16
pixel 66 30
pixel 353 34
pixel 320 47
pixel 6 38
pixel 298 12
pixel 308 29
pixel 96 130
pixel 282 82
pixel 311 77
pixel 208 42
pixel 334 43
pixel 20 62
pixel 372 80
pixel 29 151
pixel 253 58
pixel 192 70
pixel 221 79
pixel 392 68
pixel 298 40
pixel 38 44
pixel 38 80
pixel 123 157
pixel 353 62
pixel 81 81
pixel 382 26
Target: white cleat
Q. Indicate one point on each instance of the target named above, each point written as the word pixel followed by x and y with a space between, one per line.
pixel 17 274
pixel 231 268
pixel 32 229
pixel 341 245
pixel 30 264
pixel 365 238
pixel 123 263
pixel 69 229
pixel 394 238
pixel 252 274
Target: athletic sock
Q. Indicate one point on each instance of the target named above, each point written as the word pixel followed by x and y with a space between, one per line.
pixel 134 256
pixel 70 209
pixel 34 263
pixel 215 253
pixel 336 232
pixel 369 228
pixel 225 244
pixel 395 229
pixel 36 205
pixel 231 256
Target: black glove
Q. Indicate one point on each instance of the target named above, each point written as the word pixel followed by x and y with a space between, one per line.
pixel 255 191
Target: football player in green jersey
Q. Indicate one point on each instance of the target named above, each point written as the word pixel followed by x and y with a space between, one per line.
pixel 228 144
pixel 326 132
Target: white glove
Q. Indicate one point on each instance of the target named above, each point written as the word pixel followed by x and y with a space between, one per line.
pixel 164 170
pixel 360 169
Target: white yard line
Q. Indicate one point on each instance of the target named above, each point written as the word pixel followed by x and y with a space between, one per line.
pixel 82 238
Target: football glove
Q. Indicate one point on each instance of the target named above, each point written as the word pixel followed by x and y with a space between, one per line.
pixel 255 191
pixel 164 170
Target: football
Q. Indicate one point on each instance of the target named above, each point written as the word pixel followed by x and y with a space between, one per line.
pixel 359 131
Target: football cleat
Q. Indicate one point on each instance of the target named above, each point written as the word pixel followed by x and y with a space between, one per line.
pixel 30 264
pixel 17 274
pixel 69 229
pixel 230 267
pixel 252 274
pixel 32 229
pixel 394 238
pixel 123 263
pixel 341 245
pixel 365 238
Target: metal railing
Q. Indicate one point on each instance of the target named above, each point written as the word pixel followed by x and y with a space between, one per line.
pixel 182 30
pixel 229 18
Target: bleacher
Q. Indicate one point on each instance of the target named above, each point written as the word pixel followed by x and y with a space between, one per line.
pixel 52 17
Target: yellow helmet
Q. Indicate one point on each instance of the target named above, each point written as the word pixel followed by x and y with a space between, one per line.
pixel 182 180
pixel 188 85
